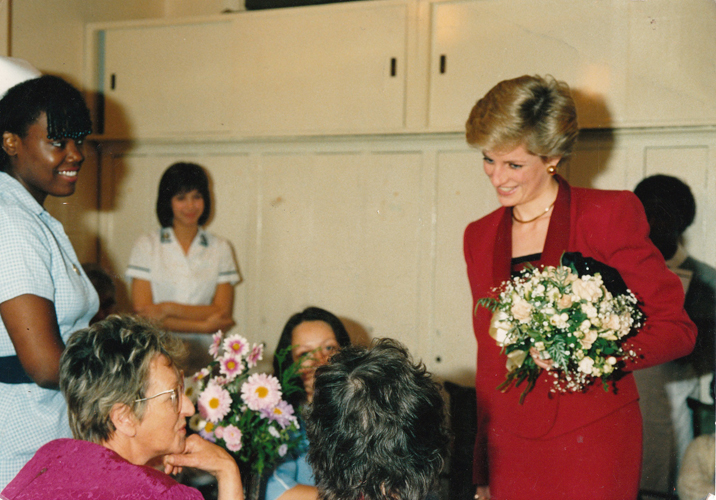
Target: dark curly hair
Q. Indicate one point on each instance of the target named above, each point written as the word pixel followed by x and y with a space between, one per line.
pixel 308 314
pixel 376 425
pixel 181 178
pixel 64 106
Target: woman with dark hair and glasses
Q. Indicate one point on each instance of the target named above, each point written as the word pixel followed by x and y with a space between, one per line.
pixel 316 335
pixel 181 275
pixel 127 410
pixel 44 294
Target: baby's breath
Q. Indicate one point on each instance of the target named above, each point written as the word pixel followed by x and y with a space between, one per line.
pixel 572 320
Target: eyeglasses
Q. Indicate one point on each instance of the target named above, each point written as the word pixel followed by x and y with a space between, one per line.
pixel 176 394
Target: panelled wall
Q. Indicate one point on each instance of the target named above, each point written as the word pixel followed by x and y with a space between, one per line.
pixel 332 135
pixel 371 227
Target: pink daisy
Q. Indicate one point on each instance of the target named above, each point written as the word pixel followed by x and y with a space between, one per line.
pixel 214 403
pixel 201 374
pixel 282 414
pixel 232 436
pixel 256 355
pixel 231 366
pixel 261 391
pixel 215 343
pixel 236 345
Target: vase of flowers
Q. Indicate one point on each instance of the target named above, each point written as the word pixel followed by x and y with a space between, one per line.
pixel 245 412
pixel 578 315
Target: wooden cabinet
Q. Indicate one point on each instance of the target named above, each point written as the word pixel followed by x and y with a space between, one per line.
pixel 629 64
pixel 165 80
pixel 336 69
pixel 400 66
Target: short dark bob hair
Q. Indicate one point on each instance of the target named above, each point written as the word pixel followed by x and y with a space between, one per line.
pixel 64 106
pixel 308 314
pixel 106 364
pixel 181 178
pixel 376 426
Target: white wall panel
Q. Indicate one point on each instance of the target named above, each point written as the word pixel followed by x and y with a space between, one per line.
pixel 371 228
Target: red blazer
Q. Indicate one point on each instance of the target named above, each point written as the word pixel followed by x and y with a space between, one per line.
pixel 611 227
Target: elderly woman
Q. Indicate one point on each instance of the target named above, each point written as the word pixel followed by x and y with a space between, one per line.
pixel 579 445
pixel 127 409
pixel 376 425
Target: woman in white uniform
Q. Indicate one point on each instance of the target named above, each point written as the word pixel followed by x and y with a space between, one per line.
pixel 182 276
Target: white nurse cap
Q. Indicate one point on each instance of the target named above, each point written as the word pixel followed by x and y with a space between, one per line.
pixel 14 71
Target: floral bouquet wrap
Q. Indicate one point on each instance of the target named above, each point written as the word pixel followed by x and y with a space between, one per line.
pixel 244 412
pixel 577 315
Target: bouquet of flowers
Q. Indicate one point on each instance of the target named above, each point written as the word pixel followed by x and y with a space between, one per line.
pixel 577 315
pixel 244 412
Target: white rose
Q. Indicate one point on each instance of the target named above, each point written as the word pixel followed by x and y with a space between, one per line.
pixel 521 309
pixel 613 322
pixel 585 365
pixel 587 289
pixel 564 302
pixel 559 320
pixel 612 360
pixel 585 326
pixel 589 337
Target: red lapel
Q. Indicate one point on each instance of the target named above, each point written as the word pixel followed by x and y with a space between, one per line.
pixel 555 245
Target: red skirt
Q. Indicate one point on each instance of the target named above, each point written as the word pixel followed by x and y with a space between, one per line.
pixel 600 461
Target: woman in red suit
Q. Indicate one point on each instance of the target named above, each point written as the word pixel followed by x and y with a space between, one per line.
pixel 576 445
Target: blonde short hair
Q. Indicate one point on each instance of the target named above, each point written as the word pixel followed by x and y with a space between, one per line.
pixel 109 363
pixel 534 111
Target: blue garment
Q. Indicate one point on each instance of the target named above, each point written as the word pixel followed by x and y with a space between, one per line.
pixel 37 258
pixel 292 471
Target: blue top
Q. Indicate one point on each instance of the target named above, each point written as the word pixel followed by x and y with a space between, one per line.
pixel 292 471
pixel 36 258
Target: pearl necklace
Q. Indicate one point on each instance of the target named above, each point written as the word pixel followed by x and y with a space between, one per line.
pixel 520 221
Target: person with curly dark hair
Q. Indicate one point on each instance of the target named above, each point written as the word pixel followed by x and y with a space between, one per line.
pixel 376 426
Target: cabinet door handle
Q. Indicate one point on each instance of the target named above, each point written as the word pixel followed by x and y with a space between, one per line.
pixel 393 66
pixel 443 63
pixel 113 81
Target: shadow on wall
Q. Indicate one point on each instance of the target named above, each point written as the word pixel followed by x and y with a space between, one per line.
pixel 586 165
pixel 357 332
